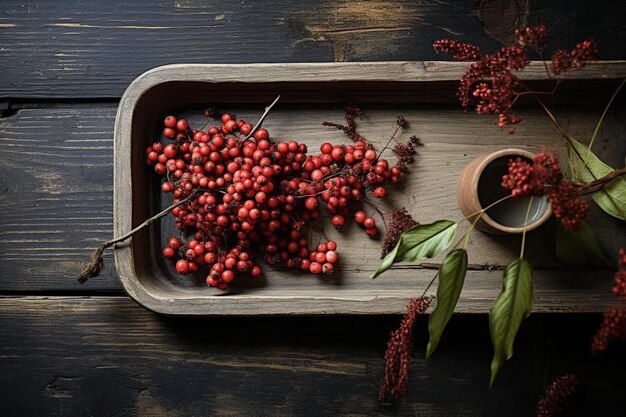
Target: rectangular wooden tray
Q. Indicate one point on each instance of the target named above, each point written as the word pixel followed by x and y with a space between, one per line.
pixel 422 92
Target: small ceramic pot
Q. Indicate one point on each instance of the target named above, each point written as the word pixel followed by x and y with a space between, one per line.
pixel 480 184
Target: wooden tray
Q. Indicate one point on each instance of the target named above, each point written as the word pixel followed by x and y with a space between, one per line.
pixel 424 93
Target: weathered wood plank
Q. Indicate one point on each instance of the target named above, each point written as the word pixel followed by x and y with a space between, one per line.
pixel 56 179
pixel 95 49
pixel 108 356
pixel 57 205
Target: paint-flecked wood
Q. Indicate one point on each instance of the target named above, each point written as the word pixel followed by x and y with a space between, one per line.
pixel 73 356
pixel 96 48
pixel 451 140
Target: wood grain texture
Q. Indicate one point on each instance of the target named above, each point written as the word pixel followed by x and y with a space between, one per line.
pixel 452 139
pixel 56 180
pixel 56 213
pixel 95 49
pixel 107 356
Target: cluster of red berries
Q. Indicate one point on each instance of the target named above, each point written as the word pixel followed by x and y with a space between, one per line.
pixel 543 177
pixel 551 402
pixel 489 82
pixel 619 288
pixel 578 57
pixel 533 36
pixel 249 198
pixel 613 326
pixel 459 50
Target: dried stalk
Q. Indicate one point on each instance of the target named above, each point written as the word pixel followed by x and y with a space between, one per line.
pixel 95 264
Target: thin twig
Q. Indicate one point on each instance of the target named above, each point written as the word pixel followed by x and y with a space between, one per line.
pixel 261 119
pixel 593 186
pixel 606 109
pixel 95 264
pixel 530 203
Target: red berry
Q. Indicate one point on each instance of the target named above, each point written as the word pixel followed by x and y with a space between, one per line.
pixel 332 257
pixel 326 148
pixel 371 231
pixel 182 125
pixel 315 268
pixel 170 121
pixel 182 266
pixel 174 243
pixel 311 203
pixel 337 221
pixel 379 192
pixel 359 217
pixel 168 252
pixel 369 222
pixel 256 271
pixel 169 133
pixel 261 134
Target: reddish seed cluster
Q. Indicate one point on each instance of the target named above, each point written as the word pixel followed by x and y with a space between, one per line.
pixel 543 177
pixel 398 354
pixel 401 221
pixel 559 390
pixel 253 197
pixel 489 83
pixel 459 50
pixel 613 326
pixel 619 288
pixel 525 179
pixel 566 206
pixel 533 36
pixel 581 55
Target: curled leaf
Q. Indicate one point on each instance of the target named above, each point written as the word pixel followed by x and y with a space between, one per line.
pixel 419 242
pixel 451 278
pixel 511 307
pixel 585 166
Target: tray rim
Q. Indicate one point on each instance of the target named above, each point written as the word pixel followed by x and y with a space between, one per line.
pixel 397 71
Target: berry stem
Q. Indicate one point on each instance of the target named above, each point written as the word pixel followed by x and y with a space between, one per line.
pixel 261 119
pixel 393 136
pixel 606 109
pixel 432 281
pixel 593 186
pixel 380 212
pixel 481 211
pixel 530 202
pixel 95 264
pixel 471 229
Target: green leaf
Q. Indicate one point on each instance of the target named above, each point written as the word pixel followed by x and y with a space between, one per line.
pixel 451 278
pixel 511 307
pixel 419 242
pixel 612 198
pixel 580 249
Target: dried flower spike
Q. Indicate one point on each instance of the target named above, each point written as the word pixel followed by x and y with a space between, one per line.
pixel 459 50
pixel 398 354
pixel 551 402
pixel 613 327
pixel 619 288
pixel 401 221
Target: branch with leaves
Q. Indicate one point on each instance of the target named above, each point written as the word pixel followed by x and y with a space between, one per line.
pixel 490 83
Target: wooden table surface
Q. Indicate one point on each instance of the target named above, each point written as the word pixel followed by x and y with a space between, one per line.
pixel 75 350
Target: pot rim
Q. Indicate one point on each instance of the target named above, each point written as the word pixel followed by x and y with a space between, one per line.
pixel 489 158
